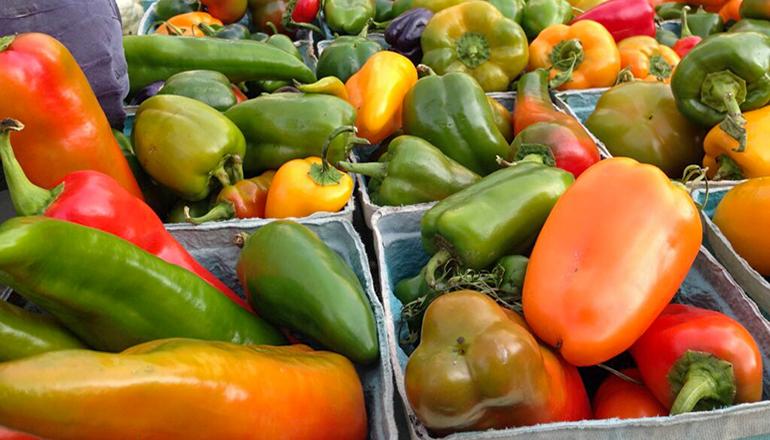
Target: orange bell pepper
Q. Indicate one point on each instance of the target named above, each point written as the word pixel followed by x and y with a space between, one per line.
pixel 187 24
pixel 731 11
pixel 647 59
pixel 726 161
pixel 377 92
pixel 584 54
pixel 611 256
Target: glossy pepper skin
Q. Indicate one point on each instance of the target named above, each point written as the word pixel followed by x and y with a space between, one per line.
pixel 377 92
pixel 475 38
pixel 704 24
pixel 583 296
pixel 346 55
pixel 265 12
pixel 730 12
pixel 245 198
pixel 404 32
pixel 26 334
pixel 39 74
pixel 189 389
pixel 412 171
pixel 229 11
pixel 686 43
pixel 647 59
pixel 741 215
pixel 188 24
pixel 324 301
pixel 70 270
pixel 623 18
pixel 452 113
pixel 184 144
pixel 751 25
pixel 207 86
pixel 93 199
pixel 502 117
pixel 156 57
pixel 348 17
pixel 709 5
pixel 169 8
pixel 756 9
pixel 640 120
pixel 619 398
pixel 539 14
pixel 234 31
pixel 284 43
pixel 698 359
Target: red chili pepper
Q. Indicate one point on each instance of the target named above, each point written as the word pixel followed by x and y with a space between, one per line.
pixel 94 199
pixel 239 96
pixel 697 359
pixel 623 18
pixel 301 13
pixel 246 198
pixel 622 399
pixel 688 40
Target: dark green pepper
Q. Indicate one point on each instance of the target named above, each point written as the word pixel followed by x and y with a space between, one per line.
pixel 285 44
pixel 207 86
pixel 539 14
pixel 383 11
pixel 452 113
pixel 180 211
pixel 411 289
pixel 235 31
pixel 670 11
pixel 295 280
pixel 413 171
pixel 114 295
pixel 751 25
pixel 704 24
pixel 345 56
pixel 25 334
pixel 666 37
pixel 514 268
pixel 166 9
pixel 757 9
pixel 513 9
pixel 348 17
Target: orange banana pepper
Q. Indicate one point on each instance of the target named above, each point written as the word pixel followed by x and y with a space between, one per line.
pixel 647 59
pixel 187 24
pixel 611 256
pixel 377 92
pixel 584 52
pixel 731 11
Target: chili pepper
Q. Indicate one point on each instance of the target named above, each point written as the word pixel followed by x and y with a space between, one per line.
pixel 348 16
pixel 757 9
pixel 666 37
pixel 640 120
pixel 403 33
pixel 112 294
pixel 722 76
pixel 622 399
pixel 698 359
pixel 324 301
pixel 383 11
pixel 580 56
pixel 39 76
pixel 539 14
pixel 647 59
pixel 704 24
pixel 229 11
pixel 183 209
pixel 750 25
pixel 207 86
pixel 224 390
pixel 285 126
pixel 156 57
pixel 623 18
pixel 26 334
pixel 166 9
pixel 724 158
pixel 579 295
pixel 346 55
pixel 234 31
pixel 329 85
pixel 412 171
pixel 183 143
pixel 730 12
pixel 502 118
pixel 475 38
pixel 187 24
pixel 688 40
pixel 285 44
pixel 453 113
pixel 669 10
pixel 244 199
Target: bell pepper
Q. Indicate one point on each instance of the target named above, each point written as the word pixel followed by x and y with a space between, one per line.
pixel 228 11
pixel 623 18
pixel 183 143
pixel 686 43
pixel 476 368
pixel 622 399
pixel 166 9
pixel 581 294
pixel 187 24
pixel 93 199
pixel 346 55
pixel 539 14
pixel 246 198
pixel 731 11
pixel 404 32
pixel 234 31
pixel 348 16
pixel 224 391
pixel 324 301
pixel 722 76
pixel 301 13
pixel 502 118
pixel 453 113
pixel 698 359
pixel 383 11
pixel 757 9
pixel 285 126
pixel 377 92
pixel 750 25
pixel 582 55
pixel 26 334
pixel 669 10
pixel 499 215
pixel 40 79
pixel 647 59
pixel 742 218
pixel 267 15
pixel 206 86
pixel 709 5
pixel 640 120
pixel 704 24
pixel 666 38
pixel 156 57
pixel 475 38
pixel 111 294
pixel 512 9
pixel 412 171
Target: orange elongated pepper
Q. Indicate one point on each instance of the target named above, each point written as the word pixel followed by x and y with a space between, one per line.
pixel 647 59
pixel 42 86
pixel 187 24
pixel 377 92
pixel 612 254
pixel 724 158
pixel 184 389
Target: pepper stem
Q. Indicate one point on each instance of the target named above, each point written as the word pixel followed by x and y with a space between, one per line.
pixel 535 153
pixel 624 76
pixel 438 259
pixel 472 49
pixel 222 176
pixel 377 170
pixel 308 26
pixel 207 29
pixel 725 91
pixel 686 32
pixel 6 41
pixel 325 174
pixel 701 381
pixel 240 239
pixel 660 68
pixel 222 211
pixel 237 168
pixel 565 57
pixel 728 169
pixel 27 198
pixel 272 27
pixel 425 70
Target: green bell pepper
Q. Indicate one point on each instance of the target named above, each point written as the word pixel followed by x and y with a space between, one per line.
pixel 670 11
pixel 412 171
pixel 704 24
pixel 539 14
pixel 114 295
pixel 452 113
pixel 206 86
pixel 349 16
pixel 26 334
pixel 346 55
pixel 751 25
pixel 757 9
pixel 183 143
pixel 295 280
pixel 383 11
pixel 513 9
pixel 165 9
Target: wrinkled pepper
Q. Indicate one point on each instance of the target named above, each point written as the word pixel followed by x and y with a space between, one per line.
pixel 622 399
pixel 704 24
pixel 246 198
pixel 40 79
pixel 453 113
pixel 475 38
pixel 582 294
pixel 756 9
pixel 166 9
pixel 695 359
pixel 229 11
pixel 348 16
pixel 188 24
pixel 742 216
pixel 404 32
pixel 412 171
pixel 346 55
pixel 751 25
pixel 647 59
pixel 687 41
pixel 623 18
pixel 26 334
pixel 539 14
pixel 324 301
pixel 223 390
pixel 207 86
pixel 111 294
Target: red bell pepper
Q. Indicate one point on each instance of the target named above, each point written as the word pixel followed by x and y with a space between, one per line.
pixel 623 18
pixel 688 40
pixel 622 399
pixel 301 13
pixel 697 359
pixel 94 199
pixel 246 198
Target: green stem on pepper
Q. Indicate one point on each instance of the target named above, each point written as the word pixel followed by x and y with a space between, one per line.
pixel 701 381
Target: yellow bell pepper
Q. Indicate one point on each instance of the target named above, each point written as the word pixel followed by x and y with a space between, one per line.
pixel 723 158
pixel 647 59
